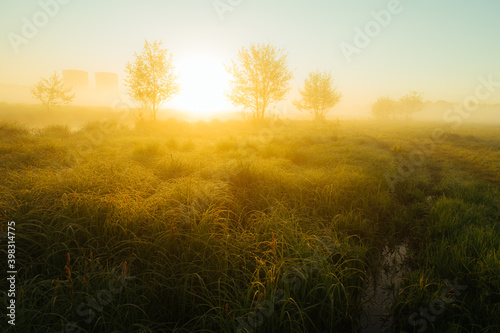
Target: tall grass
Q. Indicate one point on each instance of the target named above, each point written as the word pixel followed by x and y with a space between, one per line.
pixel 177 227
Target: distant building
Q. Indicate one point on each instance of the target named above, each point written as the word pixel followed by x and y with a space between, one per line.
pixel 76 79
pixel 108 81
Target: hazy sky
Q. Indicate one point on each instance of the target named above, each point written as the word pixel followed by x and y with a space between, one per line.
pixel 437 47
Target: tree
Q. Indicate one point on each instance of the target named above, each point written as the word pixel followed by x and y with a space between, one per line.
pixel 319 95
pixel 51 92
pixel 260 77
pixel 151 79
pixel 384 108
pixel 411 103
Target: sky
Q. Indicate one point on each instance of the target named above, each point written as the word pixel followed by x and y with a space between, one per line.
pixel 373 48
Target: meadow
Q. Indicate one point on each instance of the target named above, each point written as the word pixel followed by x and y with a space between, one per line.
pixel 224 226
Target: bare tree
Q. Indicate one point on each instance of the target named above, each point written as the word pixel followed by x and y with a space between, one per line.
pixel 319 95
pixel 151 79
pixel 260 77
pixel 51 92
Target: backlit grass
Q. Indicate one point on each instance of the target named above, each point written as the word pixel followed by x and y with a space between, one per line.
pixel 211 227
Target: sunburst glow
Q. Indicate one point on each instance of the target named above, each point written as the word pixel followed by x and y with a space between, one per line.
pixel 204 82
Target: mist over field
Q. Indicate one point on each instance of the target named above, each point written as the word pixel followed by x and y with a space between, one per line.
pixel 250 166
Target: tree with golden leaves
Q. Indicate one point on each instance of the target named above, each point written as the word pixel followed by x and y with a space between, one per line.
pixel 260 77
pixel 151 78
pixel 51 92
pixel 319 95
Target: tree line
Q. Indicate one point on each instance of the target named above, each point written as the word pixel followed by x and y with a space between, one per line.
pixel 260 77
pixel 387 108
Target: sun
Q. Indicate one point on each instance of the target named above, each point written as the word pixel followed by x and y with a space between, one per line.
pixel 204 82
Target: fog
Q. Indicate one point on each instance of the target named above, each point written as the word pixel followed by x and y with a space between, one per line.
pixel 372 50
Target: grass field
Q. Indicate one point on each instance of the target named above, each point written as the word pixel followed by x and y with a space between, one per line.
pixel 223 226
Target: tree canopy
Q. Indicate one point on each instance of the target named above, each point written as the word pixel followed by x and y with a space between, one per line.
pixel 51 92
pixel 260 77
pixel 151 78
pixel 384 108
pixel 387 108
pixel 319 95
pixel 411 103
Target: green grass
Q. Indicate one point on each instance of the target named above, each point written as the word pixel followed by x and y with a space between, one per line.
pixel 211 227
